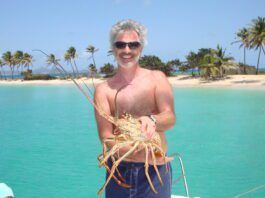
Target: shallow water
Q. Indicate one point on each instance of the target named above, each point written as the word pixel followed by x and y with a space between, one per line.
pixel 49 143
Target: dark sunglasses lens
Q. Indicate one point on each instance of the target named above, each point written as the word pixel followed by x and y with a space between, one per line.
pixel 134 45
pixel 131 45
pixel 120 45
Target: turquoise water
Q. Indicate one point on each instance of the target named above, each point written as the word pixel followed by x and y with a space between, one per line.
pixel 49 143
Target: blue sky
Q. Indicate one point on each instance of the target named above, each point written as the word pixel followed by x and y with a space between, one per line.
pixel 174 27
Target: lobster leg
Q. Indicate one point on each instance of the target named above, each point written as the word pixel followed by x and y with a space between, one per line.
pixel 146 170
pixel 116 165
pixel 154 162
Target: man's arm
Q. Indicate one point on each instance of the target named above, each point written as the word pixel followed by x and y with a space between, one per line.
pixel 165 104
pixel 105 128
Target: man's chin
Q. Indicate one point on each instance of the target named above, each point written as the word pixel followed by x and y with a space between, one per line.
pixel 127 65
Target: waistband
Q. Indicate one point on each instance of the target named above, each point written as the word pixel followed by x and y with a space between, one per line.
pixel 129 164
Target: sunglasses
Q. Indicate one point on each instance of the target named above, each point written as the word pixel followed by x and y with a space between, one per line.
pixel 131 45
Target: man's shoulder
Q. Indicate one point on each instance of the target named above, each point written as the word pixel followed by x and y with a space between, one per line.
pixel 101 87
pixel 158 74
pixel 104 86
pixel 158 78
pixel 154 73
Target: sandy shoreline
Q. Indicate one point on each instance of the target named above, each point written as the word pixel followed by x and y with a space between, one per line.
pixel 237 81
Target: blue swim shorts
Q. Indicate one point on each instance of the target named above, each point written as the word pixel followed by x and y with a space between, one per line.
pixel 134 175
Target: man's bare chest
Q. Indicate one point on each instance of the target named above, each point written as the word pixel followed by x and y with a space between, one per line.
pixel 137 100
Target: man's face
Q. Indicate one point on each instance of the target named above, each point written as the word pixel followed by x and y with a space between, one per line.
pixel 127 56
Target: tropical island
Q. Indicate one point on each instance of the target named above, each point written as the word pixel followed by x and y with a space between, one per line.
pixel 207 67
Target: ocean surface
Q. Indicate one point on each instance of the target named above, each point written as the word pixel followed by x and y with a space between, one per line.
pixel 49 142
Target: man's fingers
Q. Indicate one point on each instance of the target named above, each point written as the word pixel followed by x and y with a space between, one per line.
pixel 147 126
pixel 169 159
pixel 144 126
pixel 150 131
pixel 161 160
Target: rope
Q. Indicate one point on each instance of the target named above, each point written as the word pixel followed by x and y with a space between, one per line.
pixel 252 190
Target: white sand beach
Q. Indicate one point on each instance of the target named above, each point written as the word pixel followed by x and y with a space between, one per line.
pixel 239 81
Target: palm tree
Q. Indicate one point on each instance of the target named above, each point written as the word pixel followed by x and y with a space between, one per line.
pixel 215 62
pixel 192 61
pixel 243 38
pixel 1 64
pixel 27 60
pixel 208 66
pixel 91 50
pixel 108 69
pixel 202 52
pixel 257 37
pixel 9 60
pixel 171 66
pixel 18 58
pixel 51 60
pixel 70 56
pixel 223 61
pixel 92 70
pixel 110 53
pixel 2 71
pixel 151 62
pixel 68 59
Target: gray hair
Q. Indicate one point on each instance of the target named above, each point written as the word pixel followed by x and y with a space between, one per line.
pixel 126 25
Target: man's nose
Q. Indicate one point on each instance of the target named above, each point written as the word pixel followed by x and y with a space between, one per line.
pixel 127 49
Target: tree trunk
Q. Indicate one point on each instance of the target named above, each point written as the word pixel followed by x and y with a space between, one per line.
pixel 245 60
pixel 93 60
pixel 263 50
pixel 3 71
pixel 220 71
pixel 76 67
pixel 73 68
pixel 21 70
pixel 12 72
pixel 17 70
pixel 257 70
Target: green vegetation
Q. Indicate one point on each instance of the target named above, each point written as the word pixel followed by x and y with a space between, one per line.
pixel 253 37
pixel 70 56
pixel 27 75
pixel 39 77
pixel 108 70
pixel 2 72
pixel 208 63
pixel 154 63
pixel 92 68
pixel 16 60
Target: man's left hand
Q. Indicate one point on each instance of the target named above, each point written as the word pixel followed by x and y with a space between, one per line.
pixel 148 126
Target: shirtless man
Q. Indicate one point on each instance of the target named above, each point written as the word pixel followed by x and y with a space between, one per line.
pixel 147 95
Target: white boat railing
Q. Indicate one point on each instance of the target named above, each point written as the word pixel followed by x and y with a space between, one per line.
pixel 182 176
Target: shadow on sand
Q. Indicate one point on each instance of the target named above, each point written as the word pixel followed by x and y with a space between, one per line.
pixel 202 81
pixel 247 81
